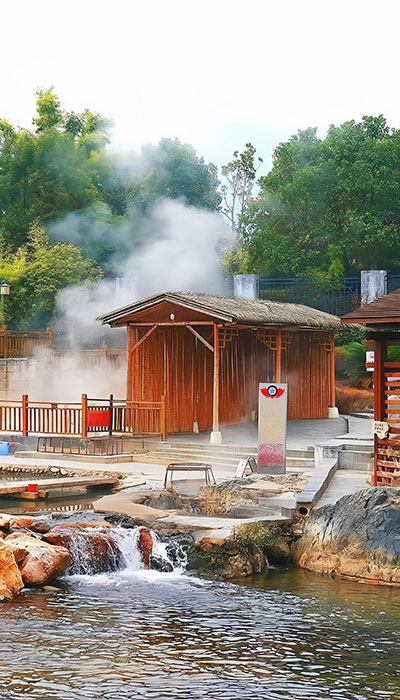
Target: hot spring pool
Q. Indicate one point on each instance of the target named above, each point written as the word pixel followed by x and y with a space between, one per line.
pixel 137 634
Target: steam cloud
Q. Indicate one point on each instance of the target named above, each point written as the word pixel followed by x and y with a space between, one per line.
pixel 175 248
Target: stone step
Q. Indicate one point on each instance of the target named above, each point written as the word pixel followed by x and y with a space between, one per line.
pixel 231 461
pixel 242 450
pixel 356 459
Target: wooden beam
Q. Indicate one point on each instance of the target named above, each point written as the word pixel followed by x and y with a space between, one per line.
pixel 216 381
pixel 278 356
pixel 167 324
pixel 143 338
pixel 379 395
pixel 332 388
pixel 379 379
pixel 200 337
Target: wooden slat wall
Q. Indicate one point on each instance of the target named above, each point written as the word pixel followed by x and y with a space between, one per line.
pixel 305 368
pixel 175 363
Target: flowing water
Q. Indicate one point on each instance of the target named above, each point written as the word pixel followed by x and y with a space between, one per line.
pixel 142 634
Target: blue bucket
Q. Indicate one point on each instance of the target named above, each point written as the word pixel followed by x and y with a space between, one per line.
pixel 4 448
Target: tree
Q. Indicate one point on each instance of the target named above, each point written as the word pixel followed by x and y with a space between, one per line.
pixel 240 174
pixel 48 111
pixel 173 170
pixel 328 207
pixel 37 271
pixel 56 169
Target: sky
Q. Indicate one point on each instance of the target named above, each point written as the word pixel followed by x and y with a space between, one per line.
pixel 213 73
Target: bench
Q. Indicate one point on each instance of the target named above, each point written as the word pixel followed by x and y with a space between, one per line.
pixel 187 467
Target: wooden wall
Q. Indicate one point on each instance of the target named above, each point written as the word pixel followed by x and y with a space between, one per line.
pixel 173 362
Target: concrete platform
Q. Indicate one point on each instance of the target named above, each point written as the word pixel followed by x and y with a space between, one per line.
pixel 16 487
pixel 300 433
pixel 342 484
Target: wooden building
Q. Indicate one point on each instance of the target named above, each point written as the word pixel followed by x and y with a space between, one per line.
pixel 207 354
pixel 382 318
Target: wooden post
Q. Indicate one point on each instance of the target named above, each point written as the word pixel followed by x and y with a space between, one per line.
pixel 5 340
pixel 24 415
pixel 332 387
pixel 379 395
pixel 84 416
pixel 216 435
pixel 110 427
pixel 278 356
pixel 163 418
pixel 49 332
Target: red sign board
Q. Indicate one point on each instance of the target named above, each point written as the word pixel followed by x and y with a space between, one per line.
pixel 98 419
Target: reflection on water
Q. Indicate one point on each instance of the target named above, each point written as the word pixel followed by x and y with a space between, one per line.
pixel 142 635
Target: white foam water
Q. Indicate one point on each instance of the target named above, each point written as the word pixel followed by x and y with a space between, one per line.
pixel 121 553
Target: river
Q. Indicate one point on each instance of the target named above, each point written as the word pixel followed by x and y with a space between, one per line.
pixel 134 634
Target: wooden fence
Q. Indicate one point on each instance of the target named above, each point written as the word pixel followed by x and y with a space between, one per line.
pixel 23 343
pixel 90 416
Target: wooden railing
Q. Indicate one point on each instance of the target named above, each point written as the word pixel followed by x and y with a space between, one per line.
pixel 23 343
pixel 91 416
pixel 387 450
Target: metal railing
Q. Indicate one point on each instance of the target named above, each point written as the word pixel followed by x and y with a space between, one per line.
pixel 91 416
pixel 333 296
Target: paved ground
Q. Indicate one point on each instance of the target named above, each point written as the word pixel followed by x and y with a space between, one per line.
pixel 344 482
pixel 300 433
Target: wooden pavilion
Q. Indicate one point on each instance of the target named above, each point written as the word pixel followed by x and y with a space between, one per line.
pixel 382 318
pixel 207 354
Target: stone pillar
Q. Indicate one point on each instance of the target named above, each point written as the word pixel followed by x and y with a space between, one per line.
pixel 373 285
pixel 246 286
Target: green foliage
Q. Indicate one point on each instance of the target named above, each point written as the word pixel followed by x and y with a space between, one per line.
pixel 328 207
pixel 60 170
pixel 37 271
pixel 52 171
pixel 355 358
pixel 240 174
pixel 175 171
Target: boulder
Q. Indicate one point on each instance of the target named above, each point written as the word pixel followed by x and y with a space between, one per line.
pixel 44 563
pixel 5 522
pixel 146 546
pixel 167 499
pixel 160 564
pixel 216 559
pixel 20 522
pixel 93 549
pixel 18 550
pixel 11 583
pixel 40 526
pixel 359 536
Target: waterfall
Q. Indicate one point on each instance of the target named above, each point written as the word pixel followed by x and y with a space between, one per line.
pixel 98 549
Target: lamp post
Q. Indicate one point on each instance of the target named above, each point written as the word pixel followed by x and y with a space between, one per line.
pixel 4 291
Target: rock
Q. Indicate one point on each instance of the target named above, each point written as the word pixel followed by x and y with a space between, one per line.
pixel 160 564
pixel 40 526
pixel 216 561
pixel 51 589
pixel 18 550
pixel 164 500
pixel 146 546
pixel 44 563
pixel 11 583
pixel 359 536
pixel 93 549
pixel 5 522
pixel 96 523
pixel 20 522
